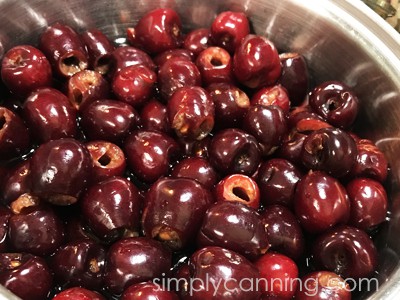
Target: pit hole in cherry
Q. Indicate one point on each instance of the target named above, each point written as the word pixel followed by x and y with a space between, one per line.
pixel 71 61
pixel 3 122
pixel 78 97
pixel 216 62
pixel 241 193
pixel 104 160
pixel 103 64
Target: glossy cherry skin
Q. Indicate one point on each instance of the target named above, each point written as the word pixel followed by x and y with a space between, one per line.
pixel 347 251
pixel 231 104
pixel 234 151
pixel 304 120
pixel 197 40
pixel 50 115
pixel 79 263
pixel 215 65
pixel 215 264
pixel 78 293
pixel 323 285
pixel 86 87
pixel 99 49
pixel 234 226
pixel 134 260
pixel 26 275
pixel 5 215
pixel 176 73
pixel 163 57
pixel 64 49
pixel 258 67
pixel 14 135
pixel 331 150
pixel 278 273
pixel 320 202
pixel 60 170
pixel 119 200
pixel 336 102
pixel 154 116
pixel 25 68
pixel 134 84
pixel 174 209
pixel 191 113
pixel 228 29
pixel 147 291
pixel 294 77
pixel 238 188
pixel 76 229
pixel 283 231
pixel 157 31
pixel 292 146
pixel 277 179
pixel 368 201
pixel 196 168
pixel 109 120
pixel 149 154
pixel 273 95
pixel 108 160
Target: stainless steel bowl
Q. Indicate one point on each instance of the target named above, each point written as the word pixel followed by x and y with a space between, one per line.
pixel 341 40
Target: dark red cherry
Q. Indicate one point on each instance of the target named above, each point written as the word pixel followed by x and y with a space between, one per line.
pixel 78 293
pixel 60 170
pixel 148 291
pixel 154 116
pixel 191 113
pixel 25 68
pixel 214 64
pixel 292 146
pixel 16 183
pixel 256 62
pixel 273 95
pixel 336 102
pixel 347 251
pixel 134 260
pixel 117 199
pixel 165 56
pixel 320 202
pixel 50 115
pixel 197 40
pixel 235 226
pixel 174 209
pixel 5 215
pixel 228 29
pixel 157 31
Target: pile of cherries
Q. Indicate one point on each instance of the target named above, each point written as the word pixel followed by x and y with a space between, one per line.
pixel 204 156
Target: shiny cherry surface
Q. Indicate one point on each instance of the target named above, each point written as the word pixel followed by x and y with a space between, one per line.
pixel 78 293
pixel 197 40
pixel 148 291
pixel 273 95
pixel 154 116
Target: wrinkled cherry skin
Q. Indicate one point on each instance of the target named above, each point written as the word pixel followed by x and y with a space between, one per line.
pixel 320 202
pixel 196 168
pixel 157 31
pixel 86 87
pixel 304 120
pixel 147 291
pixel 14 135
pixel 215 264
pixel 234 151
pixel 78 293
pixel 109 120
pixel 191 113
pixel 234 226
pixel 277 179
pixel 79 263
pixel 163 57
pixel 370 162
pixel 149 154
pixel 279 273
pixel 259 66
pixel 154 116
pixel 228 29
pixel 347 251
pixel 64 49
pixel 368 201
pixel 134 260
pixel 176 73
pixel 214 64
pixel 197 40
pixel 294 77
pixel 323 285
pixel 108 160
pixel 50 115
pixel 292 146
pixel 36 230
pixel 26 275
pixel 331 150
pixel 99 49
pixel 60 170
pixel 283 231
pixel 119 200
pixel 231 104
pixel 134 84
pixel 238 188
pixel 336 102
pixel 174 209
pixel 273 95
pixel 25 68
pixel 5 215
